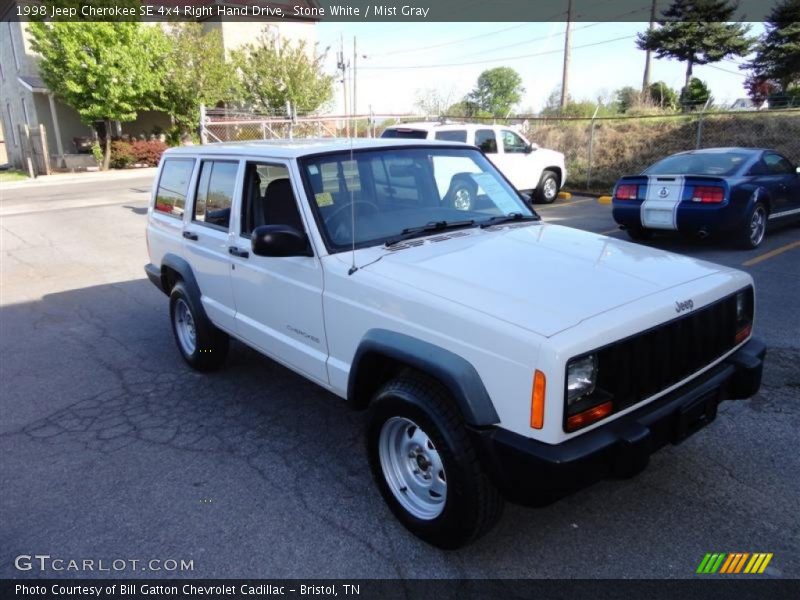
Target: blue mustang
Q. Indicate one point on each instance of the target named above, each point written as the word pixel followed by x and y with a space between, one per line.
pixel 729 192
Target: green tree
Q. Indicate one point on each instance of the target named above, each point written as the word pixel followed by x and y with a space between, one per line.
pixel 195 73
pixel 497 91
pixel 105 71
pixel 695 95
pixel 274 71
pixel 777 55
pixel 697 32
pixel 663 96
pixel 626 98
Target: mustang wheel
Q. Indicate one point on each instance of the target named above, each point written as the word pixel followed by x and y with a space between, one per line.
pixel 755 227
pixel 639 234
pixel 425 465
pixel 201 344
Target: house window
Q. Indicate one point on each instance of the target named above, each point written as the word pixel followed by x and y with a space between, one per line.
pixel 11 40
pixel 25 113
pixel 11 126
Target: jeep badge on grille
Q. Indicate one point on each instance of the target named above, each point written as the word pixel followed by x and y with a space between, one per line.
pixel 685 305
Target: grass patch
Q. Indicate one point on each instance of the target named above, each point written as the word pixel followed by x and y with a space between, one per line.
pixel 12 175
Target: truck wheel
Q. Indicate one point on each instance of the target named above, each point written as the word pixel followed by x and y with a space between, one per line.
pixel 755 226
pixel 201 344
pixel 425 465
pixel 547 191
pixel 463 195
pixel 639 234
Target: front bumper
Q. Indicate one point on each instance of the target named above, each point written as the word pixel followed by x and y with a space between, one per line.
pixel 154 275
pixel 532 472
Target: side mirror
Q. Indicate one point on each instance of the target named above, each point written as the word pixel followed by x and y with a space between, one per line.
pixel 797 170
pixel 532 147
pixel 279 240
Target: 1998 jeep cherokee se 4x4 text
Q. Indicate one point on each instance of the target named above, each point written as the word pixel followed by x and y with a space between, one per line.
pixel 498 356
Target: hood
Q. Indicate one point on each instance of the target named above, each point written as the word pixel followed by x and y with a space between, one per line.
pixel 545 278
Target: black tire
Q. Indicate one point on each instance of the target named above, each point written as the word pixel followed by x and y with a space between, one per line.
pixel 210 344
pixel 472 504
pixel 547 190
pixel 639 234
pixel 746 238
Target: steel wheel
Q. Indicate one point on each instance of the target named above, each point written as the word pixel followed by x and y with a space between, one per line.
pixel 550 189
pixel 412 468
pixel 462 199
pixel 184 326
pixel 758 225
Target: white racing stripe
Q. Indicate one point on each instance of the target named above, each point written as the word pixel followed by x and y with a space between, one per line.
pixel 660 207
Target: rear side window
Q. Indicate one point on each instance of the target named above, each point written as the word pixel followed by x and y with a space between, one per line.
pixel 212 204
pixel 173 186
pixel 459 135
pixel 486 141
pixel 409 134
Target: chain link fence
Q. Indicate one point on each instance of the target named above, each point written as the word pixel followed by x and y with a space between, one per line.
pixel 597 150
pixel 230 125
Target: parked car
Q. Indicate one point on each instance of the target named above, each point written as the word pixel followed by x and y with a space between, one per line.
pixel 538 172
pixel 498 356
pixel 732 193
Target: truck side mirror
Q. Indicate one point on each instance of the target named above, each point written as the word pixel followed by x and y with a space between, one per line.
pixel 279 240
pixel 532 147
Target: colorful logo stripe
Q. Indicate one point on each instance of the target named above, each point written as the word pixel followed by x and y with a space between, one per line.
pixel 734 562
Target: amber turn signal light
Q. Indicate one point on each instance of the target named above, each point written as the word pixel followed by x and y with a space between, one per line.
pixel 537 400
pixel 587 417
pixel 743 333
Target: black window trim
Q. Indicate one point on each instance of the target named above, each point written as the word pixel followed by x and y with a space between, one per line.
pixel 189 186
pixel 203 159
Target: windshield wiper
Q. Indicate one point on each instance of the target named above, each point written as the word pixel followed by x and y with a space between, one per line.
pixel 422 230
pixel 514 216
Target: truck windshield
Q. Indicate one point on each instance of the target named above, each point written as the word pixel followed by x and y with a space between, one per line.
pixel 409 134
pixel 372 196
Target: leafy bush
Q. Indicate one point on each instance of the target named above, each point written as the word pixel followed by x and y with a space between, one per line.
pixel 122 155
pixel 147 151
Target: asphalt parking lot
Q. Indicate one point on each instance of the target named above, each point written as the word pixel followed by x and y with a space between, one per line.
pixel 113 449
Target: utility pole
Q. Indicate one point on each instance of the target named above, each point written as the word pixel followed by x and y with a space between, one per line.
pixel 565 74
pixel 647 59
pixel 355 75
pixel 342 65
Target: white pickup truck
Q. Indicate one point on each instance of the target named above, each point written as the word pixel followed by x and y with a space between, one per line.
pixel 537 172
pixel 498 356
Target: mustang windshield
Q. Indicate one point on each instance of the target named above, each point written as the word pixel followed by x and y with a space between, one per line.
pixel 386 193
pixel 701 163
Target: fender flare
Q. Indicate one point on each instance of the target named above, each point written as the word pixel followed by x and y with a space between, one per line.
pixel 453 371
pixel 182 267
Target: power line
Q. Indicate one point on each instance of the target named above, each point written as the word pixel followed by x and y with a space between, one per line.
pixel 504 58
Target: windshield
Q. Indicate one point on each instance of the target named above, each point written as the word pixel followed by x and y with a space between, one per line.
pixel 410 134
pixel 393 190
pixel 705 163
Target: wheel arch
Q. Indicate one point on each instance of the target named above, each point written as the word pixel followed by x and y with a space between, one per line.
pixel 382 354
pixel 174 269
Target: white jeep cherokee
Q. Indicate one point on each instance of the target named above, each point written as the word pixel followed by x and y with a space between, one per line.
pixel 538 172
pixel 498 356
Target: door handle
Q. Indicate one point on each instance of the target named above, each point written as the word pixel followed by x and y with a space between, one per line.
pixel 238 252
pixel 190 235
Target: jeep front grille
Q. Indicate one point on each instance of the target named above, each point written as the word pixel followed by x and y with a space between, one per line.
pixel 644 364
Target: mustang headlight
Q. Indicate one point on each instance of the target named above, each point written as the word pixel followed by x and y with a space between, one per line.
pixel 581 377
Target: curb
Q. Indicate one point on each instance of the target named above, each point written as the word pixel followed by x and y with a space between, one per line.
pixel 604 200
